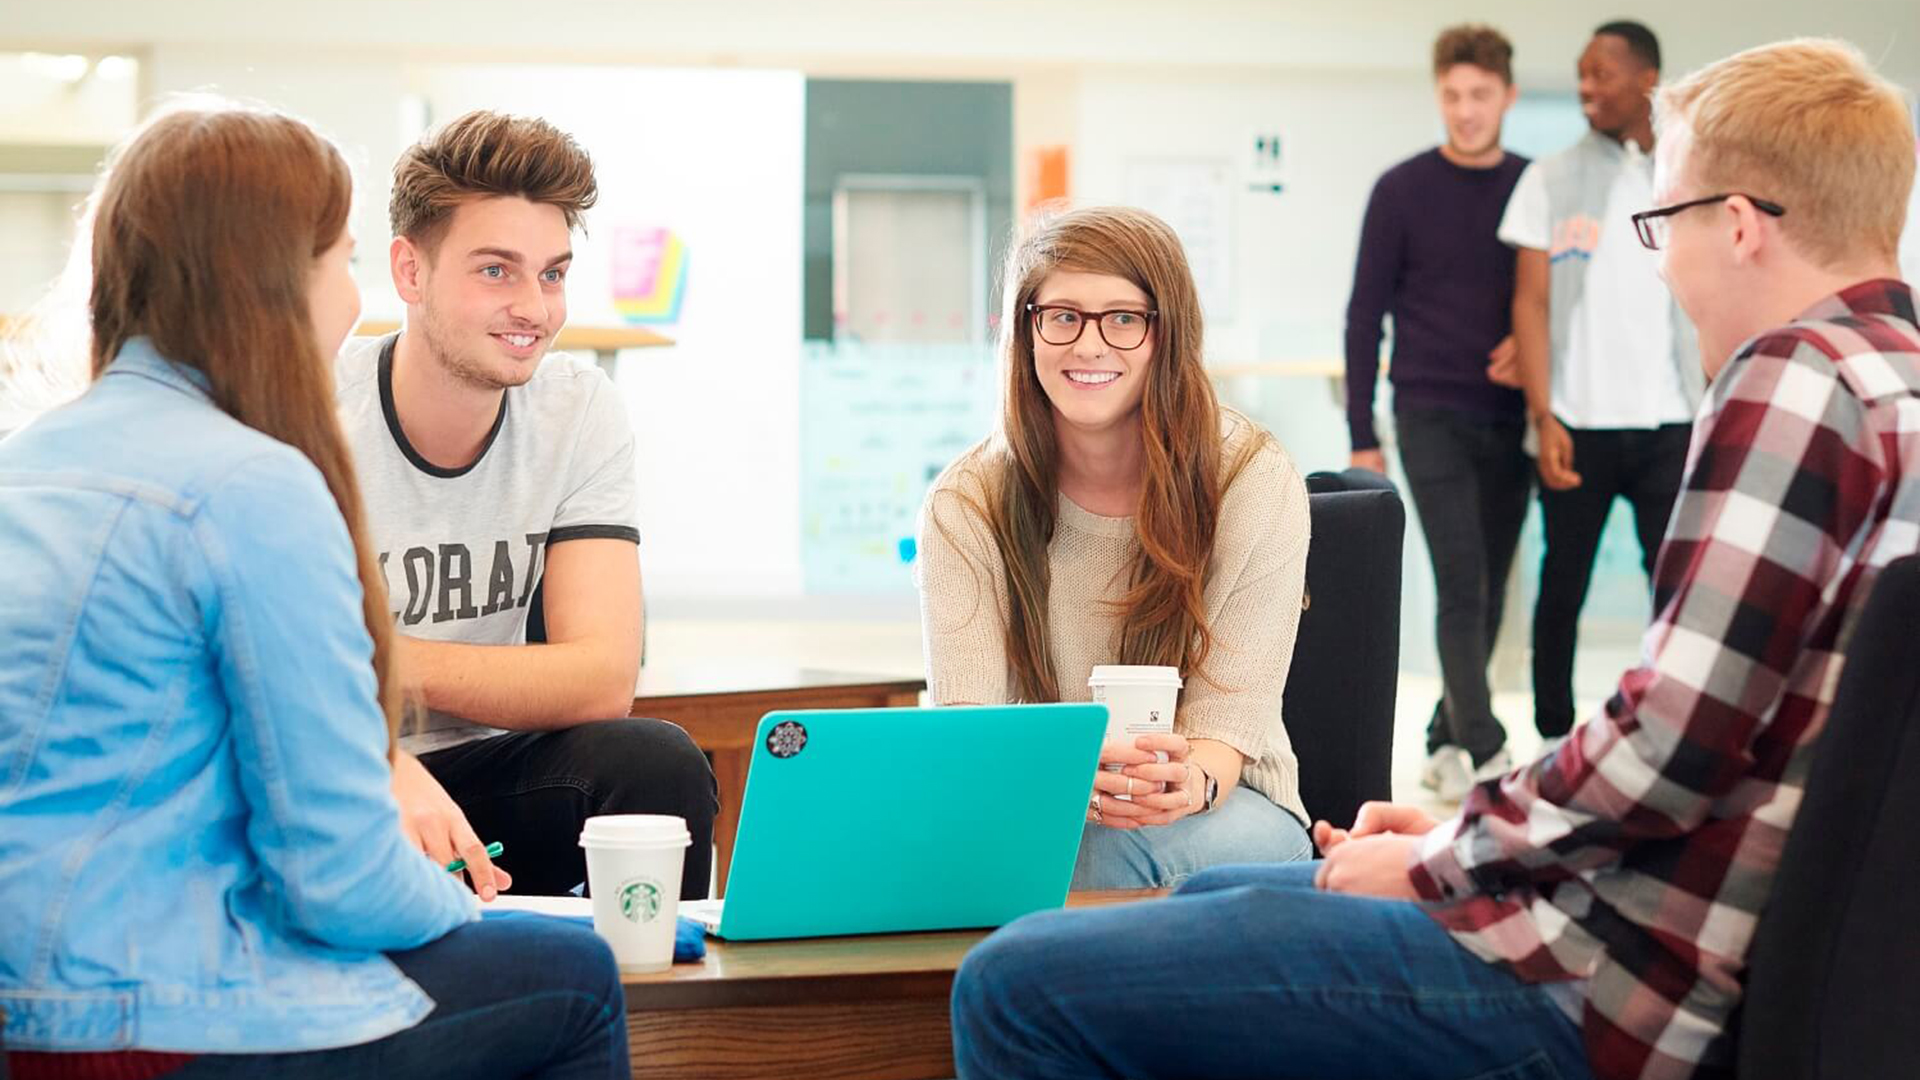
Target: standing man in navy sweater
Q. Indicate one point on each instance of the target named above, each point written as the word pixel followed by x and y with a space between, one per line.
pixel 1431 258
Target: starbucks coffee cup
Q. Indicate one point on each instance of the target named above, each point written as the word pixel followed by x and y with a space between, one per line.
pixel 1140 700
pixel 633 870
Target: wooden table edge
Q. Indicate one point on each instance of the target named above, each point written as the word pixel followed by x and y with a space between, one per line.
pixel 776 991
pixel 905 685
pixel 664 992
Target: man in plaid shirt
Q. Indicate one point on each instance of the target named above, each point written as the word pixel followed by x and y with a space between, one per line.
pixel 1589 914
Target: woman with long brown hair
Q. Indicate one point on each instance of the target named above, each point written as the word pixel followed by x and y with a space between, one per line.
pixel 1121 516
pixel 201 859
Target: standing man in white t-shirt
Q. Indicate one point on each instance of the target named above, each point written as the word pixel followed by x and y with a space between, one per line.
pixel 1607 360
pixel 499 489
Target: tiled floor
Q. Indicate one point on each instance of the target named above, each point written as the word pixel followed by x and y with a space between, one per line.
pixel 892 647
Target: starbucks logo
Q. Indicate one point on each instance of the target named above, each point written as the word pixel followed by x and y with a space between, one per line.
pixel 786 739
pixel 640 900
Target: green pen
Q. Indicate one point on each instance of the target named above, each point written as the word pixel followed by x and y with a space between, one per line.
pixel 493 852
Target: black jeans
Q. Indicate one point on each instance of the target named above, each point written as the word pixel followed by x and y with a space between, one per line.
pixel 532 791
pixel 1470 479
pixel 1643 466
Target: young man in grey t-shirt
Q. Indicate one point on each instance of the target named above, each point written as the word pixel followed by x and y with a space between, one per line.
pixel 499 490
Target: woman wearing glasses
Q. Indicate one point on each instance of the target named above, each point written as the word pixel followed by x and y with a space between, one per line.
pixel 1120 515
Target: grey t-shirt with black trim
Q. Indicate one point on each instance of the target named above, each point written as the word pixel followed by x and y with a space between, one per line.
pixel 463 549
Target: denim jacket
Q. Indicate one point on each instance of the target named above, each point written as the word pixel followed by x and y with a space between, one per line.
pixel 199 847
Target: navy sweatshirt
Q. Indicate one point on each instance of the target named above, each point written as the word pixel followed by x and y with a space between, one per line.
pixel 1430 257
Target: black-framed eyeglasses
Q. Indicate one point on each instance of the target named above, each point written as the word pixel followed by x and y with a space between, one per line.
pixel 1121 328
pixel 1652 225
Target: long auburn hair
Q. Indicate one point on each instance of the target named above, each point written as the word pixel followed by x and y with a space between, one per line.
pixel 205 231
pixel 1162 614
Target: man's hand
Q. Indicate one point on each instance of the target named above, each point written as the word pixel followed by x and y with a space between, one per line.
pixel 433 822
pixel 1556 455
pixel 1374 819
pixel 1373 459
pixel 1372 858
pixel 1503 367
pixel 1370 866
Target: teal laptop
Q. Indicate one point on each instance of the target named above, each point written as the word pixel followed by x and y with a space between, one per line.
pixel 870 821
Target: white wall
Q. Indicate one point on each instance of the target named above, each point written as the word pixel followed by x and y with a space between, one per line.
pixel 359 100
pixel 923 36
pixel 41 190
pixel 47 109
pixel 1292 252
pixel 716 156
pixel 36 231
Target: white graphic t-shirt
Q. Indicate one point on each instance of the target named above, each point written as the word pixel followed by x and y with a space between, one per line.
pixel 463 549
pixel 1619 371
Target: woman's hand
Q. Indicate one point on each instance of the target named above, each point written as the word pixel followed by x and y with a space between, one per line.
pixel 1110 783
pixel 434 823
pixel 1162 792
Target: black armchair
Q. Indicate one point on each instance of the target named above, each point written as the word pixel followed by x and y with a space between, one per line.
pixel 1339 700
pixel 1833 982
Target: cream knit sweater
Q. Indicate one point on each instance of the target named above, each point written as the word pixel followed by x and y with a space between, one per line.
pixel 1253 600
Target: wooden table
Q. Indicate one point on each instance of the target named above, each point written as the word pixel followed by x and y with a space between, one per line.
pixel 860 1008
pixel 721 706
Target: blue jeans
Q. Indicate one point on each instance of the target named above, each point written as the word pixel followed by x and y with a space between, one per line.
pixel 515 995
pixel 1250 971
pixel 1244 828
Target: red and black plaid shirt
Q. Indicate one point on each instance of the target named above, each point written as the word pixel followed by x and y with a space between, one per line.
pixel 1638 854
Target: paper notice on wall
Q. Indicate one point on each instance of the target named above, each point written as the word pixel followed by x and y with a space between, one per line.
pixel 1195 196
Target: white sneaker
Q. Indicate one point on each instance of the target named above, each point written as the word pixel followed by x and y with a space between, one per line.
pixel 1448 773
pixel 1497 766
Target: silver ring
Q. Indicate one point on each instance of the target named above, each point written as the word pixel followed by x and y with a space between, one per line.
pixel 1129 787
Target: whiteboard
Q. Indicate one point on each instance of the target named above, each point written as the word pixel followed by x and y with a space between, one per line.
pixel 1195 197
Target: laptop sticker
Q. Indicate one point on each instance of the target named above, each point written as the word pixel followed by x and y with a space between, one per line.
pixel 786 739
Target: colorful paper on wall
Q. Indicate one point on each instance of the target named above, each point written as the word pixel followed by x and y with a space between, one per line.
pixel 649 274
pixel 1047 175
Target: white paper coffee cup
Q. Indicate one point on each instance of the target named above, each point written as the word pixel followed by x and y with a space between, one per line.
pixel 633 870
pixel 1140 700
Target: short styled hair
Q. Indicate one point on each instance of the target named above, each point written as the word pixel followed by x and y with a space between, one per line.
pixel 1470 43
pixel 1640 41
pixel 1809 125
pixel 483 155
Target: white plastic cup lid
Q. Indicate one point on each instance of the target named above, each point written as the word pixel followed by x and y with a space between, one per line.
pixel 635 830
pixel 1134 675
